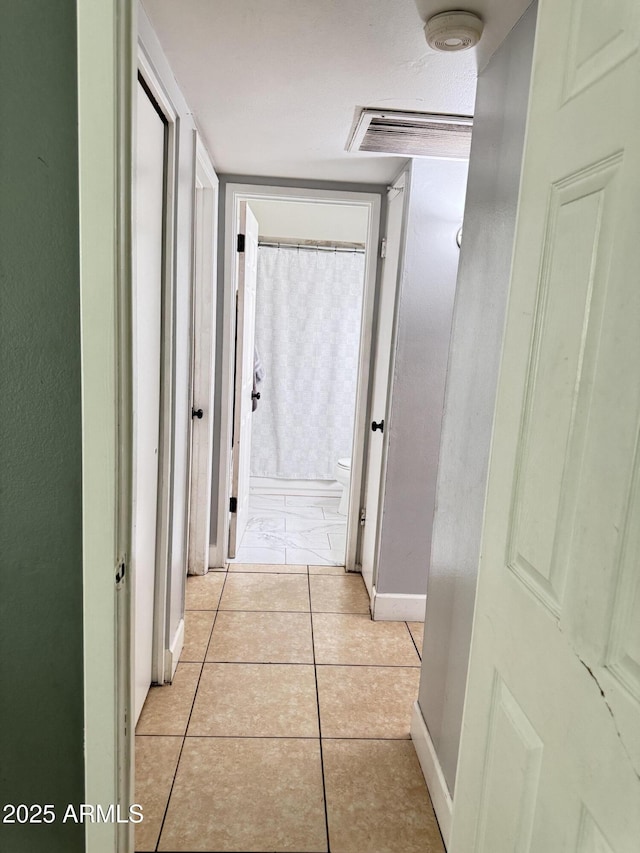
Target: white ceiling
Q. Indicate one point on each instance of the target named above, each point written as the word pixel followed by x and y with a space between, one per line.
pixel 275 85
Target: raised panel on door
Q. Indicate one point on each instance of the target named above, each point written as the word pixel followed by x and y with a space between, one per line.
pixel 556 613
pixel 577 246
pixel 510 776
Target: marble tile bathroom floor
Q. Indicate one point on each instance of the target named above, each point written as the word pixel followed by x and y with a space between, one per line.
pixel 286 727
pixel 292 529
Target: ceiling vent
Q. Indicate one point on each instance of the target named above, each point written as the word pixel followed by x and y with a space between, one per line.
pixel 412 134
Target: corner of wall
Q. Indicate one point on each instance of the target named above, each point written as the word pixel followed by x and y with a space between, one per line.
pixel 483 283
pixel 429 265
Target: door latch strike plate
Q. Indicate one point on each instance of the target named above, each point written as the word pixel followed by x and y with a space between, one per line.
pixel 363 516
pixel 120 573
pixel 233 504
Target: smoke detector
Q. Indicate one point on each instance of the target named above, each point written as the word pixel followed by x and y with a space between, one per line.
pixel 453 31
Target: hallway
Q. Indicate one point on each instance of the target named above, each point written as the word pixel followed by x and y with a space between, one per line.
pixel 287 722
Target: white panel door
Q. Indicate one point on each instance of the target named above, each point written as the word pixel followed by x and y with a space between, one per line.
pixel 147 306
pixel 550 752
pixel 381 375
pixel 245 341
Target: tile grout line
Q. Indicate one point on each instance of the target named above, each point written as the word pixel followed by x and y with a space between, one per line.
pixel 305 663
pixel 280 737
pixel 262 610
pixel 184 737
pixel 315 675
pixel 285 568
pixel 227 573
pixel 414 642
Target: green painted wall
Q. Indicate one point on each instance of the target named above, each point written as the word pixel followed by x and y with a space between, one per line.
pixel 41 705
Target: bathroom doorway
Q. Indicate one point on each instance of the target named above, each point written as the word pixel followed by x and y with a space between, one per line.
pixel 315 283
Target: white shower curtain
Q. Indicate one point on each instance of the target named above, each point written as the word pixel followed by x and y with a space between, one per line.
pixel 308 314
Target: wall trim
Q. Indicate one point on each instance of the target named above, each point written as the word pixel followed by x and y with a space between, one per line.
pixel 172 654
pixel 310 184
pixel 397 607
pixel 432 771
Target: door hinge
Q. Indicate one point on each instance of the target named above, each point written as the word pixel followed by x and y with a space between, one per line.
pixel 363 516
pixel 120 573
pixel 240 246
pixel 233 504
pixel 383 247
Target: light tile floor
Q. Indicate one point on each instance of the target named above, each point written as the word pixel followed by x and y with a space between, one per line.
pixel 287 725
pixel 294 529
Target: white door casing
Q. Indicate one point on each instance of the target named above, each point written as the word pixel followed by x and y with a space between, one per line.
pixel 550 750
pixel 374 490
pixel 106 97
pixel 245 341
pixel 147 320
pixel 235 193
pixel 204 325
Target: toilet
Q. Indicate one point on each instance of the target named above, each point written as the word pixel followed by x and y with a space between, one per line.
pixel 343 476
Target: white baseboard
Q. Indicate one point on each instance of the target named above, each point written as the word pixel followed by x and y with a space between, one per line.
pixel 397 607
pixel 172 654
pixel 278 486
pixel 433 775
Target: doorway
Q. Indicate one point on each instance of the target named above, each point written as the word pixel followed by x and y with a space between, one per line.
pixel 303 370
pixel 316 273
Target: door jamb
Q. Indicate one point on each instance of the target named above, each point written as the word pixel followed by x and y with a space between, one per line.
pixel 167 374
pixel 245 192
pixel 403 178
pixel 202 391
pixel 106 34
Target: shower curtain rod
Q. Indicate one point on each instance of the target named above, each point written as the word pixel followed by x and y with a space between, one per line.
pixel 315 245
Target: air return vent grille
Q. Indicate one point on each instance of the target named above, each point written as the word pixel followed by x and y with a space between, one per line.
pixel 412 134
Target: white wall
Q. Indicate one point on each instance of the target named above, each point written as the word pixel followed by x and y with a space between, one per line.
pixel 427 288
pixel 304 221
pixel 485 261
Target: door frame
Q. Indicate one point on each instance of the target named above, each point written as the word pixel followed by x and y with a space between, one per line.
pixel 203 329
pixel 246 269
pixel 167 366
pixel 403 175
pixel 234 194
pixel 106 46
